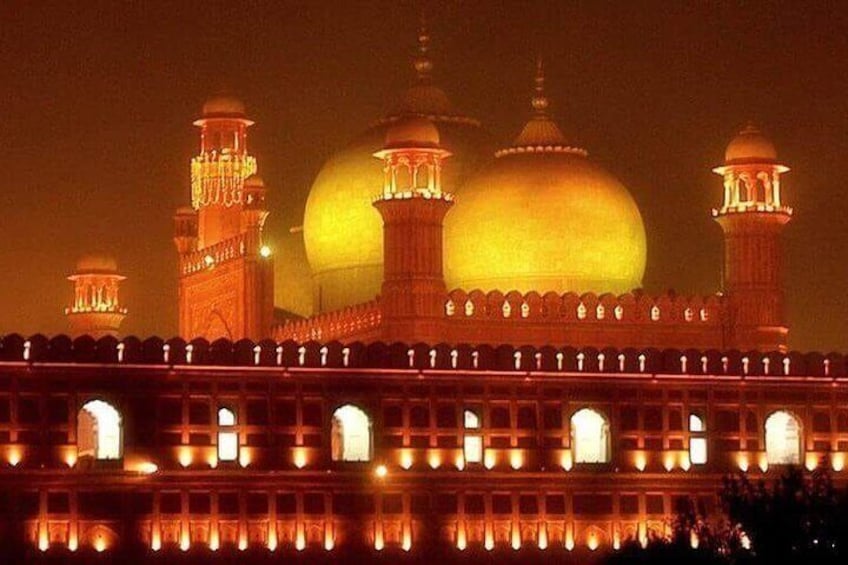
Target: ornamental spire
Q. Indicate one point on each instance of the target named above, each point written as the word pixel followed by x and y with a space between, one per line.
pixel 539 100
pixel 422 63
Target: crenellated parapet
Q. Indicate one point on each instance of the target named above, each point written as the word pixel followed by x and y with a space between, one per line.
pixel 213 255
pixel 608 308
pixel 377 355
pixel 352 322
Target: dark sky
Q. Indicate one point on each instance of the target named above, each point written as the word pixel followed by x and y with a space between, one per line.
pixel 98 98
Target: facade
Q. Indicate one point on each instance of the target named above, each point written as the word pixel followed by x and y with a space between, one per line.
pixel 507 387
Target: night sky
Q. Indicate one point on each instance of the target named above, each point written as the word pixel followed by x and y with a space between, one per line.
pixel 98 98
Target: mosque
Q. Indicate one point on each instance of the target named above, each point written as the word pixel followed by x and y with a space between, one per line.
pixel 490 382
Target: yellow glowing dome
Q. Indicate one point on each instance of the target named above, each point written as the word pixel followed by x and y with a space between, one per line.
pixel 750 145
pixel 412 132
pixel 544 217
pixel 343 233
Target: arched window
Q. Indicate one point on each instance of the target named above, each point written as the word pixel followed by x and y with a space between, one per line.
pixel 688 315
pixel 351 434
pixel 507 309
pixel 473 442
pixel 525 310
pixel 589 437
pixel 469 308
pixel 655 313
pixel 228 444
pixel 697 440
pixel 600 312
pixel 99 431
pixel 619 312
pixel 783 439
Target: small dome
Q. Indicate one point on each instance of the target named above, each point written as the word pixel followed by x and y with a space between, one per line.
pixel 750 145
pixel 223 105
pixel 412 132
pixel 96 264
pixel 254 181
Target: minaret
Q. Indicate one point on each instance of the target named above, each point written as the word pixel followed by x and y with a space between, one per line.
pixel 96 310
pixel 226 272
pixel 753 217
pixel 413 208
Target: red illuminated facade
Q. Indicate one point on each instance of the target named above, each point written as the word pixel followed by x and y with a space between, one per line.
pixel 481 421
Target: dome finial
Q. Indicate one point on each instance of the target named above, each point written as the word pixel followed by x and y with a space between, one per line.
pixel 539 100
pixel 422 63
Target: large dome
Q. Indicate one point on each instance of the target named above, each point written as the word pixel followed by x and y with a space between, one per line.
pixel 544 217
pixel 343 233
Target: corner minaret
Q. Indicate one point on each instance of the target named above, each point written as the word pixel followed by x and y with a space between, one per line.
pixel 752 217
pixel 413 208
pixel 96 310
pixel 226 272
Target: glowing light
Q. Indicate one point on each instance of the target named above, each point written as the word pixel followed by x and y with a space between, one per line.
pixel 685 462
pixel 244 457
pixel 489 459
pixel 265 251
pixel 763 462
pixel 569 539
pixel 434 459
pixel 406 459
pixel 148 468
pixel 838 461
pixel 43 540
pixel 242 543
pixel 208 260
pixel 543 537
pixel 381 471
pixel 329 542
pixel 516 537
pixel 811 461
pixel 566 460
pixel 406 545
pixel 14 456
pixel 156 540
pixel 742 461
pixel 70 459
pixel 592 541
pixel 489 542
pixel 516 460
pixel 745 541
pixel 185 542
pixel 616 541
pixel 272 540
pixel 73 542
pixel 378 539
pixel 460 462
pixel 299 457
pixel 214 540
pixel 300 540
pixel 212 460
pixel 99 544
pixel 351 430
pixel 640 461
pixel 693 539
pixel 668 462
pixel 184 456
pixel 461 542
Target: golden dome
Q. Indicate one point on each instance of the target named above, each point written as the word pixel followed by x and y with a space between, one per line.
pixel 543 217
pixel 224 106
pixel 414 131
pixel 750 145
pixel 343 233
pixel 88 264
